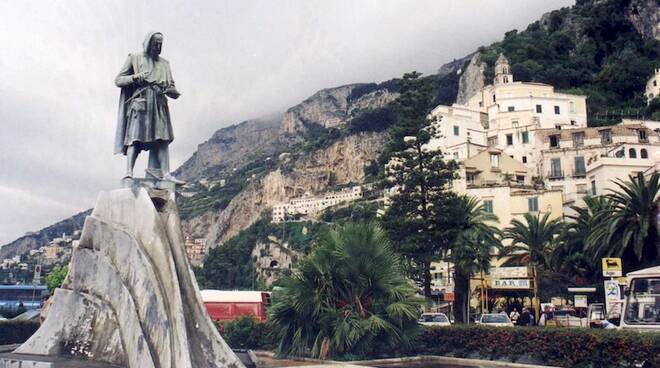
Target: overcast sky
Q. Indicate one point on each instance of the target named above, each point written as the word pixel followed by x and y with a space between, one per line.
pixel 231 60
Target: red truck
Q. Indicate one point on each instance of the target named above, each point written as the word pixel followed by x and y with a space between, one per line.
pixel 226 305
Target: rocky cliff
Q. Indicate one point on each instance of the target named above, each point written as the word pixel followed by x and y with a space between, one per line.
pixel 333 107
pixel 232 147
pixel 645 17
pixel 472 79
pixel 341 163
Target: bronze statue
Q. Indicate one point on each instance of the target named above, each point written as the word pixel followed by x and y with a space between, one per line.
pixel 144 122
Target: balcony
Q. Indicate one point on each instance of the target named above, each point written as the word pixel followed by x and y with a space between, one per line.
pixel 579 173
pixel 555 174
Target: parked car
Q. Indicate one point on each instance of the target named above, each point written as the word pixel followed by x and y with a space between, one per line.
pixel 567 318
pixel 495 319
pixel 434 319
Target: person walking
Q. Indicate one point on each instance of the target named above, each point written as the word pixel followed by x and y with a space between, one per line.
pixel 514 315
pixel 525 318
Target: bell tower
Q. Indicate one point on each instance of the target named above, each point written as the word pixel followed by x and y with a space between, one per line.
pixel 503 73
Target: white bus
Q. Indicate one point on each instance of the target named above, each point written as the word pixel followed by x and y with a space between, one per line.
pixel 641 307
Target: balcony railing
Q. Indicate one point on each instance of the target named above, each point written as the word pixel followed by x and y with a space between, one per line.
pixel 555 174
pixel 579 173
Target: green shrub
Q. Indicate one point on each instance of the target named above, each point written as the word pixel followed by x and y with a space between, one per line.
pixel 16 332
pixel 247 333
pixel 551 346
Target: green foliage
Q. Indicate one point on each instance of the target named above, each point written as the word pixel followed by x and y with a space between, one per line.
pixel 564 347
pixel 56 277
pixel 16 332
pixel 591 47
pixel 247 333
pixel 628 226
pixel 375 120
pixel 349 298
pixel 471 250
pixel 230 265
pixel 355 212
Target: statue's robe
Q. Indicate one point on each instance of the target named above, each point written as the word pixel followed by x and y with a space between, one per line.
pixel 143 116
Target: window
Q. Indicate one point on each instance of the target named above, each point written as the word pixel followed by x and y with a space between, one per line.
pixel 488 206
pixel 455 155
pixel 494 99
pixel 655 83
pixel 558 126
pixel 606 136
pixel 511 108
pixel 456 130
pixel 554 141
pixel 514 124
pixel 632 153
pixel 581 188
pixel 571 106
pixel 579 169
pixel 555 168
pixel 492 141
pixel 539 109
pixel 495 160
pixel 593 187
pixel 524 159
pixel 469 177
pixel 573 122
pixel 557 110
pixel 520 179
pixel 578 139
pixel 525 137
pixel 642 135
pixel 643 153
pixel 533 204
pixel 509 139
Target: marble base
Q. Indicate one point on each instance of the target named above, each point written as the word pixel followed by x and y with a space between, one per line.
pixel 136 183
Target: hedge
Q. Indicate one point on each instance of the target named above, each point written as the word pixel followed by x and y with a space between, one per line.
pixel 16 332
pixel 565 347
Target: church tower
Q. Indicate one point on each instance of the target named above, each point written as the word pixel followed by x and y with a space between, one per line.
pixel 502 71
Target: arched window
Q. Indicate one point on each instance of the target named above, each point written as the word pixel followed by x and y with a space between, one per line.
pixel 643 153
pixel 632 153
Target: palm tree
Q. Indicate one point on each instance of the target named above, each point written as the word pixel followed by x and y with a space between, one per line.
pixel 349 297
pixel 630 228
pixel 471 251
pixel 572 255
pixel 534 239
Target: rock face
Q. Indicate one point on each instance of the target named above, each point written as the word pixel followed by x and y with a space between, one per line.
pixel 645 17
pixel 130 297
pixel 231 147
pixel 332 107
pixel 341 163
pixel 471 81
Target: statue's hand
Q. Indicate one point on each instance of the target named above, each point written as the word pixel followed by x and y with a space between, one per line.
pixel 140 77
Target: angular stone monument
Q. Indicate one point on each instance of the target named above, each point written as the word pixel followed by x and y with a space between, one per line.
pixel 130 297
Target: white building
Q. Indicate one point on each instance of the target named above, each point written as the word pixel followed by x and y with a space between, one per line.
pixel 311 205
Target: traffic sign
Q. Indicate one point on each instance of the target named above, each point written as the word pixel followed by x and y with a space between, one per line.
pixel 612 267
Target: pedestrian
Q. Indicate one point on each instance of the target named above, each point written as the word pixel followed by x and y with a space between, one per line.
pixel 514 315
pixel 525 318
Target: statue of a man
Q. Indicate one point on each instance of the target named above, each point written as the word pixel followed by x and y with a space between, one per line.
pixel 144 119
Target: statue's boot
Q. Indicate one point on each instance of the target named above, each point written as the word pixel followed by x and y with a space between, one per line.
pixel 173 179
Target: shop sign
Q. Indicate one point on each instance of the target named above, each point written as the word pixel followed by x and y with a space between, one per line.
pixel 511 284
pixel 580 301
pixel 508 272
pixel 612 267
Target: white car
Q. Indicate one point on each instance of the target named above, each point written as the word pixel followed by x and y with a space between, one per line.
pixel 495 319
pixel 434 319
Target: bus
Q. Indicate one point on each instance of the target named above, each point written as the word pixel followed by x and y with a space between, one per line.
pixel 30 296
pixel 641 306
pixel 227 305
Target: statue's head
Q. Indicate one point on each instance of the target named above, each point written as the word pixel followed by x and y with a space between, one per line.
pixel 153 44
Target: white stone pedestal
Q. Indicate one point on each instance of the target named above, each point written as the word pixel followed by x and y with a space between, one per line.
pixel 130 297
